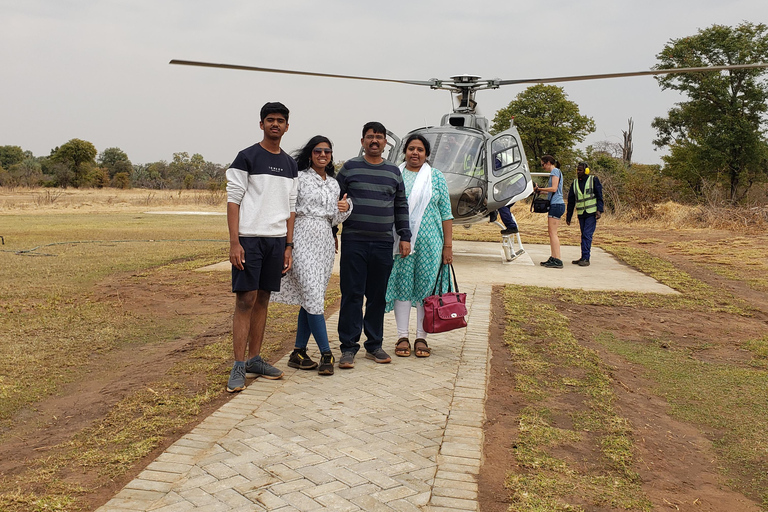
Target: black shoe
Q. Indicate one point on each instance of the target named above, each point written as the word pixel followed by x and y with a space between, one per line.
pixel 544 263
pixel 553 263
pixel 326 364
pixel 583 263
pixel 577 262
pixel 299 359
pixel 509 231
pixel 493 216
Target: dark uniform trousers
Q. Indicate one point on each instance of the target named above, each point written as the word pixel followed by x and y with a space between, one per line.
pixel 364 271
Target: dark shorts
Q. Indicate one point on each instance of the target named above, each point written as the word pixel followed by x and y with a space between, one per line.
pixel 556 210
pixel 263 264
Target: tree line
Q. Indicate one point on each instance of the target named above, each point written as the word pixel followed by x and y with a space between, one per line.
pixel 77 163
pixel 716 137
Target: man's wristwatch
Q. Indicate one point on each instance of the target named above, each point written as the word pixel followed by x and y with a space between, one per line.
pixel 289 244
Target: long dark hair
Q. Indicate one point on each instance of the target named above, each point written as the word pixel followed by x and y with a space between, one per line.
pixel 303 156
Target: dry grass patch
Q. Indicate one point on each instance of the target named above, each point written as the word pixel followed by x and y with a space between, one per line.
pixel 554 372
pixel 41 200
pixel 106 306
pixel 53 323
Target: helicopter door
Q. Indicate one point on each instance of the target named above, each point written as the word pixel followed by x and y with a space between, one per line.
pixel 393 141
pixel 509 179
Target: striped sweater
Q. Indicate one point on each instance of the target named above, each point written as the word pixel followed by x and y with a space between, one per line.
pixel 378 193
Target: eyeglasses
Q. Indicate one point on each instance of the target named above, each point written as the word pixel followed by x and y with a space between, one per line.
pixel 375 137
pixel 320 151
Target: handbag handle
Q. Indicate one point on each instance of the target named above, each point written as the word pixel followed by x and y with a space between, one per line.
pixel 439 279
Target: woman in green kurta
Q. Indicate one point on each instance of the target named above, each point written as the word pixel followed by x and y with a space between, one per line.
pixel 413 277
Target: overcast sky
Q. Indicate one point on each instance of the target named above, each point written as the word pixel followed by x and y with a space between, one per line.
pixel 99 70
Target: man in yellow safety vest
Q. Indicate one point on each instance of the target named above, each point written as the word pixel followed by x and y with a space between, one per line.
pixel 586 197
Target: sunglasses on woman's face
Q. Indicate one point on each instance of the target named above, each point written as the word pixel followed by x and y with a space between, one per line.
pixel 320 151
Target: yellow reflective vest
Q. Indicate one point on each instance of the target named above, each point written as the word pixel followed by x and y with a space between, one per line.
pixel 586 201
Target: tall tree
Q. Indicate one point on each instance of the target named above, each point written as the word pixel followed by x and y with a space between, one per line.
pixel 549 123
pixel 115 160
pixel 718 134
pixel 10 155
pixel 79 158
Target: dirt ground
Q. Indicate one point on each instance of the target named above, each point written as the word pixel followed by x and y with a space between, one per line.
pixel 676 462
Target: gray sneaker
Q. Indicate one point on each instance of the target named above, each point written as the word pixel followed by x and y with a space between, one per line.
pixel 257 367
pixel 236 378
pixel 379 356
pixel 347 360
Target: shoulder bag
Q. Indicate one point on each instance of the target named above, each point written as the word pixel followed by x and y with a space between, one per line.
pixel 445 311
pixel 539 204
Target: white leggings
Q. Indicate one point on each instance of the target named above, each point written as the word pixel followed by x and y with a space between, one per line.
pixel 403 318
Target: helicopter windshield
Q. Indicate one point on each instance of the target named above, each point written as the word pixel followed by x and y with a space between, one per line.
pixel 456 153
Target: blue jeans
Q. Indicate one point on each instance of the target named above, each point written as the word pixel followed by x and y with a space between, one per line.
pixel 587 223
pixel 315 325
pixel 506 218
pixel 364 271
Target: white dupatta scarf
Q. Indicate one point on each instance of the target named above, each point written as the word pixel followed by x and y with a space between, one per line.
pixel 421 194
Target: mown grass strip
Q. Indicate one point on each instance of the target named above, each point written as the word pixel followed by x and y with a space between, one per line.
pixel 728 402
pixel 695 295
pixel 555 373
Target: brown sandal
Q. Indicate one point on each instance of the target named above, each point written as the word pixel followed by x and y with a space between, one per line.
pixel 403 347
pixel 420 348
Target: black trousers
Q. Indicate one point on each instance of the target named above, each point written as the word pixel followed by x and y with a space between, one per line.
pixel 364 269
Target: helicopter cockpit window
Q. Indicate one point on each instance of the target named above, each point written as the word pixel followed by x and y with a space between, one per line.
pixel 457 153
pixel 506 155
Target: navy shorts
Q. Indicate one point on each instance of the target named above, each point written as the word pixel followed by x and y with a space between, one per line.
pixel 263 267
pixel 556 210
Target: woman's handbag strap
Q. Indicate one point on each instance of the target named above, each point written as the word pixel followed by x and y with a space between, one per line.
pixel 439 280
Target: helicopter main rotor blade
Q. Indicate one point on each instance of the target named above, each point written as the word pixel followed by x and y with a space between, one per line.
pixel 290 72
pixel 632 73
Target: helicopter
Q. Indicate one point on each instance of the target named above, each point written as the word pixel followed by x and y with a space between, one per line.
pixel 484 171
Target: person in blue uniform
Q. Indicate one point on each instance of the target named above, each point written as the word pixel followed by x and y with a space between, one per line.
pixel 586 197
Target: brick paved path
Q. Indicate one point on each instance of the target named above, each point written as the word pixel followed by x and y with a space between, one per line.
pixel 404 436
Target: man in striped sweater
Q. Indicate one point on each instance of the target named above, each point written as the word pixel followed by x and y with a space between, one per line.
pixel 376 188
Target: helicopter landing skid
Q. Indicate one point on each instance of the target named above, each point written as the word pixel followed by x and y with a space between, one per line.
pixel 508 243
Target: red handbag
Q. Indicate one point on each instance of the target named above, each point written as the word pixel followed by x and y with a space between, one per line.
pixel 445 311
